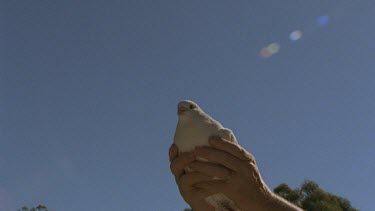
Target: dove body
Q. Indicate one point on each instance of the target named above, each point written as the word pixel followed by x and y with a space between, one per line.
pixel 193 129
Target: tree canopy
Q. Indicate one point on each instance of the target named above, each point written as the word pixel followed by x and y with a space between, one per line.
pixel 311 197
pixel 40 207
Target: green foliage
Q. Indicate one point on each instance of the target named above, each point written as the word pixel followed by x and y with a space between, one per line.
pixel 311 197
pixel 287 193
pixel 40 207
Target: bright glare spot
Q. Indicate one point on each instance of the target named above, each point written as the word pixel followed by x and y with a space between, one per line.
pixel 295 35
pixel 270 50
pixel 265 53
pixel 274 47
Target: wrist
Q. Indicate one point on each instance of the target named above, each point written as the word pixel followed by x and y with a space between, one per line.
pixel 267 201
pixel 257 202
pixel 276 203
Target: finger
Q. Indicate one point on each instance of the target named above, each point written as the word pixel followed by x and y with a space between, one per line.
pixel 203 194
pixel 208 207
pixel 189 179
pixel 213 170
pixel 199 192
pixel 231 148
pixel 213 185
pixel 202 203
pixel 178 164
pixel 173 152
pixel 219 157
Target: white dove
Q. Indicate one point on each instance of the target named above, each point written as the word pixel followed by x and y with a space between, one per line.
pixel 194 128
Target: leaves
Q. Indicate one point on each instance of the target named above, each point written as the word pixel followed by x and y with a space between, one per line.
pixel 311 197
pixel 40 207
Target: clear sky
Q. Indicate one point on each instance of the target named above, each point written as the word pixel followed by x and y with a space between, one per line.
pixel 88 95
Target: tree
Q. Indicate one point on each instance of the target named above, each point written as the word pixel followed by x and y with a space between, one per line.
pixel 287 193
pixel 40 207
pixel 311 197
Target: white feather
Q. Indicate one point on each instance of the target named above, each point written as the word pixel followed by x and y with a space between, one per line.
pixel 193 129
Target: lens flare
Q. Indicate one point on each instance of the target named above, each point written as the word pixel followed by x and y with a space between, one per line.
pixel 295 35
pixel 274 47
pixel 265 53
pixel 322 20
pixel 271 49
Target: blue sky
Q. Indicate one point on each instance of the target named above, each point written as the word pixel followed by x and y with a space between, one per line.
pixel 89 89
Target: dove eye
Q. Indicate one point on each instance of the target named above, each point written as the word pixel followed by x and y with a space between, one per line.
pixel 192 106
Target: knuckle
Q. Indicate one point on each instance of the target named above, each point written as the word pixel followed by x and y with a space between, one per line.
pixel 243 152
pixel 251 168
pixel 252 159
pixel 247 156
pixel 171 157
pixel 254 166
pixel 246 166
pixel 173 168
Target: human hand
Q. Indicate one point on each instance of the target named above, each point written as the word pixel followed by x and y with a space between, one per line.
pixel 239 177
pixel 236 175
pixel 194 196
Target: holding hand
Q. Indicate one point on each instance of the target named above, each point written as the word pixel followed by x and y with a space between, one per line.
pixel 193 195
pixel 238 174
pixel 230 170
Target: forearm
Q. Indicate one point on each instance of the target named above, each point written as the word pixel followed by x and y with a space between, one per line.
pixel 268 202
pixel 276 203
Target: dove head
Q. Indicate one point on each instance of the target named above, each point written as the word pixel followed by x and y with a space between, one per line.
pixel 187 108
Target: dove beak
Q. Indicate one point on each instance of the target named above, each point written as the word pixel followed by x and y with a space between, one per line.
pixel 181 111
